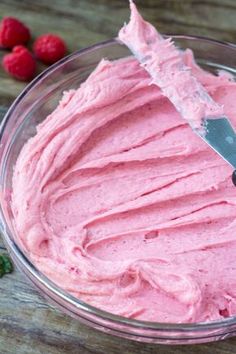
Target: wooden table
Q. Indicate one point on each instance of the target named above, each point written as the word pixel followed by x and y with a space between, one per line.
pixel 28 324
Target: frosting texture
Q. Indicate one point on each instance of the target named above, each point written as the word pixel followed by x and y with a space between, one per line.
pixel 118 202
pixel 165 64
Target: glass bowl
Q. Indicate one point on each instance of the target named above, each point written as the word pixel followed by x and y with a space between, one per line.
pixel 38 99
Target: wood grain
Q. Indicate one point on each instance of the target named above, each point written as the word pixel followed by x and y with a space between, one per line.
pixel 28 323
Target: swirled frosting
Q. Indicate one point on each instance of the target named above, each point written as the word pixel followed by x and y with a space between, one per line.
pixel 119 203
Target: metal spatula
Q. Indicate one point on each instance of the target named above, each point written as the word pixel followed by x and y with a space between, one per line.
pixel 192 100
pixel 220 135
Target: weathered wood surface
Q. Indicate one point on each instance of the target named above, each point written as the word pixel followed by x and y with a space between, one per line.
pixel 28 323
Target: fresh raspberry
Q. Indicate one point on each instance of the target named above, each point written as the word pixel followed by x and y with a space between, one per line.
pixel 20 63
pixel 13 32
pixel 49 48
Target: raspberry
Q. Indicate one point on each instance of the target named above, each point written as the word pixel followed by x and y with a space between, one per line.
pixel 20 63
pixel 49 48
pixel 13 32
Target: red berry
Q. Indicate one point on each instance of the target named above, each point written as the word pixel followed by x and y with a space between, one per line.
pixel 13 32
pixel 20 63
pixel 49 48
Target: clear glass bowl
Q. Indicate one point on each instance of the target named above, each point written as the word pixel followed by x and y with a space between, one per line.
pixel 38 99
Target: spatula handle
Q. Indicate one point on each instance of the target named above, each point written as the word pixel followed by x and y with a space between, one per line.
pixel 234 177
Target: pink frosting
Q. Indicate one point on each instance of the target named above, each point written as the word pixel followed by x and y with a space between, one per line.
pixel 118 202
pixel 164 62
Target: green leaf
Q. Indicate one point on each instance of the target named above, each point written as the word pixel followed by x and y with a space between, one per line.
pixel 2 272
pixel 5 265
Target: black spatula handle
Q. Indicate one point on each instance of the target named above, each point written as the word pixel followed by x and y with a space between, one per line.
pixel 234 177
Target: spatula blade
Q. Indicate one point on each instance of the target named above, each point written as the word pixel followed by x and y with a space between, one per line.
pixel 220 135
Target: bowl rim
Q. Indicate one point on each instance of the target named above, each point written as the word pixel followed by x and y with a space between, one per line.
pixel 21 257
